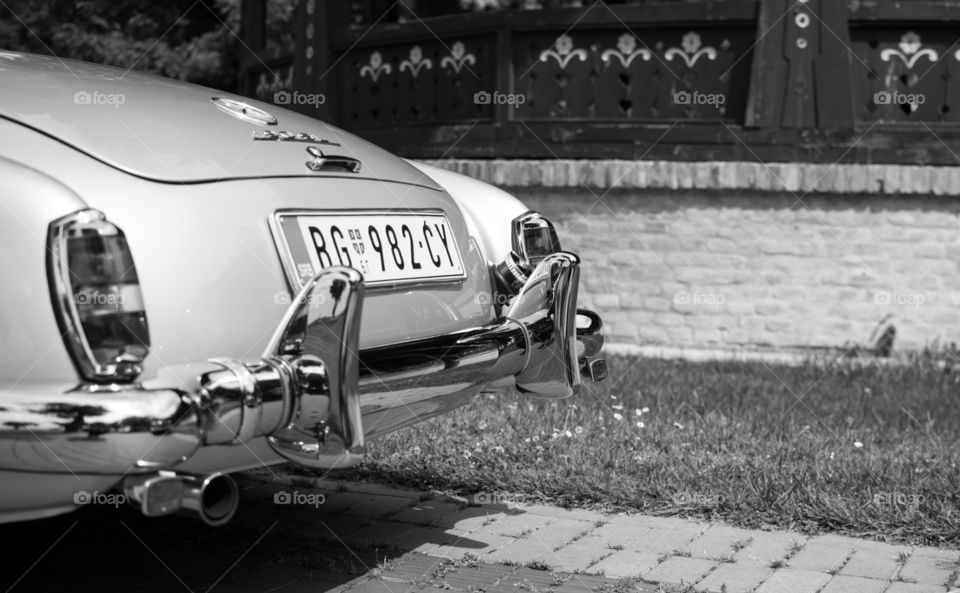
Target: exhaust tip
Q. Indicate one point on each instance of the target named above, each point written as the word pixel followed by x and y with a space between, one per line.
pixel 214 498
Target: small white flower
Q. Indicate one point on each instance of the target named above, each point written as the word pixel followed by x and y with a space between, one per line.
pixel 678 425
pixel 499 449
pixel 536 439
pixel 617 407
pixel 613 397
pixel 526 440
pixel 644 410
pixel 568 434
pixel 858 445
pixel 416 450
pixel 578 430
pixel 619 417
pixel 638 412
pixel 640 424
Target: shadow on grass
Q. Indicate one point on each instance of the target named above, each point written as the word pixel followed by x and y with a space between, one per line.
pixel 862 450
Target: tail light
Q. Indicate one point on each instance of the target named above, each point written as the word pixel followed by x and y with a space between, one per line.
pixel 534 238
pixel 96 297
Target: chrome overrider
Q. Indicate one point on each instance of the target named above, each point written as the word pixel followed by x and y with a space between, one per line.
pixel 312 393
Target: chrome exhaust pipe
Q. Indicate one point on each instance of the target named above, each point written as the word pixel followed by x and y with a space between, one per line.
pixel 213 498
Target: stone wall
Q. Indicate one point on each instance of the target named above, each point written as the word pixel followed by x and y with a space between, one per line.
pixel 744 269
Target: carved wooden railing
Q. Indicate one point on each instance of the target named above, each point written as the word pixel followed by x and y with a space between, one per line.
pixel 772 80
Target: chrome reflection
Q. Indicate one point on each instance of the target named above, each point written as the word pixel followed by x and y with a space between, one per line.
pixel 314 393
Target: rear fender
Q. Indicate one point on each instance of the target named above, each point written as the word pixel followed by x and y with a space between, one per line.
pixel 31 349
pixel 487 209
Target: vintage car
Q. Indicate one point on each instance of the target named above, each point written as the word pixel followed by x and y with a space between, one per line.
pixel 197 283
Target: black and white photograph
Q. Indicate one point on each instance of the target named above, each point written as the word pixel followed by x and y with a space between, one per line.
pixel 480 296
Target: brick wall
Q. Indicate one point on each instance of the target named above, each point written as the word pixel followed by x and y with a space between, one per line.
pixel 746 269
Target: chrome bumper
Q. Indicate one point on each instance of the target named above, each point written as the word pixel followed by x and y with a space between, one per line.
pixel 314 394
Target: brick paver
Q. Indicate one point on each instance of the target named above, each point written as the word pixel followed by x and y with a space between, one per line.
pixel 516 525
pixel 479 544
pixel 734 578
pixel 929 569
pixel 540 544
pixel 425 513
pixel 620 532
pixel 577 556
pixel 768 547
pixel 871 564
pixel 899 587
pixel 819 557
pixel 665 540
pixel 678 570
pixel 625 563
pixel 792 580
pixel 375 539
pixel 847 584
pixel 716 543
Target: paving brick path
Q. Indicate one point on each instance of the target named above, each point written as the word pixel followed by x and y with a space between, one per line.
pixel 369 538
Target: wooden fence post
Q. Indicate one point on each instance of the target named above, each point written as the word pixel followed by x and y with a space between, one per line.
pixel 314 65
pixel 801 67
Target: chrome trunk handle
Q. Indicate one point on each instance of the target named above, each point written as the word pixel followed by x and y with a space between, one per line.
pixel 321 162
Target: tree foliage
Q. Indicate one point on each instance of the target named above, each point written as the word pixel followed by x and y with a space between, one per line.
pixel 195 40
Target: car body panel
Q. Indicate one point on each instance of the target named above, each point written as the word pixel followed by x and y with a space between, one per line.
pixel 205 252
pixel 167 130
pixel 489 210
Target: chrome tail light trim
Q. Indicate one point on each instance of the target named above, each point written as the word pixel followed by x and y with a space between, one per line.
pixel 72 303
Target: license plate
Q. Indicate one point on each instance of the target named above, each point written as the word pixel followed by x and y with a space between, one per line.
pixel 388 248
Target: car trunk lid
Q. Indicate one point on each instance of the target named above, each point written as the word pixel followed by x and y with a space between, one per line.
pixel 173 132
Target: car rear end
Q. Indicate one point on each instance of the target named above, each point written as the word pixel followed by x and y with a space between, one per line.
pixel 209 285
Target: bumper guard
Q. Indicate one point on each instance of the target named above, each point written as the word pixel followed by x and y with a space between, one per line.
pixel 313 391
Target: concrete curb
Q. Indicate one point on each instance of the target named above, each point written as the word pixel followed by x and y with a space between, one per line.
pixel 798 178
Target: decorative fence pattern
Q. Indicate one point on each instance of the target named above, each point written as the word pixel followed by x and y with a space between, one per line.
pixel 772 80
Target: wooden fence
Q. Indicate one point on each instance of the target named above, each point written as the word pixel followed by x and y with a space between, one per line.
pixel 868 81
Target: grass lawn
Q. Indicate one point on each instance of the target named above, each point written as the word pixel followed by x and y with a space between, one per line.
pixel 866 451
